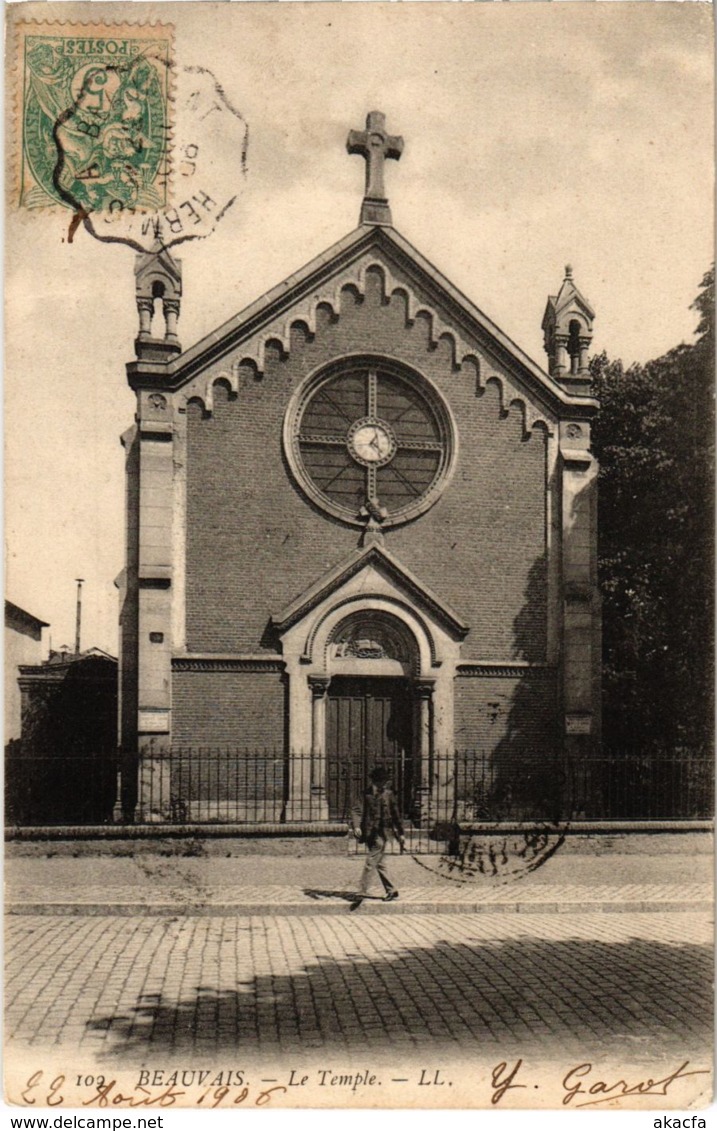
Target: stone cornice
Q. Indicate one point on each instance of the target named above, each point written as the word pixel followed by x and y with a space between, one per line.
pixel 31 677
pixel 502 670
pixel 212 662
pixel 380 558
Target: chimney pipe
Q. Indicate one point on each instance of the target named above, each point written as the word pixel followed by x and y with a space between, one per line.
pixel 78 620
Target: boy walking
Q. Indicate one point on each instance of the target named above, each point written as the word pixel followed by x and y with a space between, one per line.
pixel 380 819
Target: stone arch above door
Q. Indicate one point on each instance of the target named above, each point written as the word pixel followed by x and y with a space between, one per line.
pixel 372 642
pixel 410 633
pixel 409 646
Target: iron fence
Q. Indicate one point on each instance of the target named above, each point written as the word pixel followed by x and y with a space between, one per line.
pixel 204 786
pixel 436 795
pixel 642 787
pixel 188 786
pixel 59 788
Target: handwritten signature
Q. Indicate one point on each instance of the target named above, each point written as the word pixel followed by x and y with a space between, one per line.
pixel 575 1083
pixel 604 1091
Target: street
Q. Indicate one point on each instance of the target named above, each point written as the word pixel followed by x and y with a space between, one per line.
pixel 132 987
pixel 123 964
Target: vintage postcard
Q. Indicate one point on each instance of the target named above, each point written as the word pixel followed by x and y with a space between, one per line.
pixel 358 557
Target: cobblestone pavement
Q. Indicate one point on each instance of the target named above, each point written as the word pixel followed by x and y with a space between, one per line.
pixel 129 989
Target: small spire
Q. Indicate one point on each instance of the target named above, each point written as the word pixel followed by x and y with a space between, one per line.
pixel 158 281
pixel 158 234
pixel 568 330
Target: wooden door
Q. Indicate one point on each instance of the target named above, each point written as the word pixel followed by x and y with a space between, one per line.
pixel 368 722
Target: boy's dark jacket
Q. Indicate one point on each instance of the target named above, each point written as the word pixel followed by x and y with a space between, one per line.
pixel 380 815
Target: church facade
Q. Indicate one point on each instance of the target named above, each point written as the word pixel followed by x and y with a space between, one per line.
pixel 361 527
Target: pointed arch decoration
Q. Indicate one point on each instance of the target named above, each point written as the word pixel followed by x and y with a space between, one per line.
pixel 354 279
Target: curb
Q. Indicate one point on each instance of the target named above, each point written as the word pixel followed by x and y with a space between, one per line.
pixel 370 906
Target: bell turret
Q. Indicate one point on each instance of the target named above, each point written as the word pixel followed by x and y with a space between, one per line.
pixel 158 278
pixel 568 330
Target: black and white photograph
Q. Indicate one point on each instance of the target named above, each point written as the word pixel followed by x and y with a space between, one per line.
pixel 359 491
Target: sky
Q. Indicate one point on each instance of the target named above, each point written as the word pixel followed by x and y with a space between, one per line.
pixel 535 135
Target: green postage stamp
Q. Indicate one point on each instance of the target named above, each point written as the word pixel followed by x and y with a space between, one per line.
pixel 94 115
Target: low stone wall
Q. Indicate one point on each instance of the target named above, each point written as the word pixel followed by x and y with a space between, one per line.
pixel 695 840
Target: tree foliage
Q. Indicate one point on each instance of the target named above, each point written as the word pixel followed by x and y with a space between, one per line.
pixel 654 441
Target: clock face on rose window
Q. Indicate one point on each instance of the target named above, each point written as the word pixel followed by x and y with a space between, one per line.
pixel 370 430
pixel 371 442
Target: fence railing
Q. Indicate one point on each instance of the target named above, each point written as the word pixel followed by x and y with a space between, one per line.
pixel 190 786
pixel 462 788
pixel 59 788
pixel 642 787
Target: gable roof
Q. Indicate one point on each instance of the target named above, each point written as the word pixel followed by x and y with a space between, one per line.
pixel 567 298
pixel 388 564
pixel 15 613
pixel 397 250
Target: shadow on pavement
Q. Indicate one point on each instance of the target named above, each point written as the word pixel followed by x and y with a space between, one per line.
pixel 638 996
pixel 348 896
pixel 322 893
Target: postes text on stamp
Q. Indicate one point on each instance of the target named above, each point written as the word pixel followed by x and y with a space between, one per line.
pixel 94 115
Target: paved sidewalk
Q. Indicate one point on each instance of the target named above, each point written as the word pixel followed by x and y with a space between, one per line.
pixel 254 885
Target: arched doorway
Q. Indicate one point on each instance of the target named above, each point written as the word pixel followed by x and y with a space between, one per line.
pixel 367 620
pixel 370 709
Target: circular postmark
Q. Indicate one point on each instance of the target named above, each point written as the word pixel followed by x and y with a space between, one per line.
pixel 497 854
pixel 206 166
pixel 494 832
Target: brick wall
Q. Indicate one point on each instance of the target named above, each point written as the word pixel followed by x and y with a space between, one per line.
pixel 228 709
pixel 254 541
pixel 490 711
pixel 513 769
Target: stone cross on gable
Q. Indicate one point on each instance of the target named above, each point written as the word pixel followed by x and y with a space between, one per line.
pixel 375 145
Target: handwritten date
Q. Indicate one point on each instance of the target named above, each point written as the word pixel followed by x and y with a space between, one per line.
pixel 583 1085
pixel 105 1093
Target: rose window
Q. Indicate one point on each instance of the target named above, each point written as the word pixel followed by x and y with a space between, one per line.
pixel 370 438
